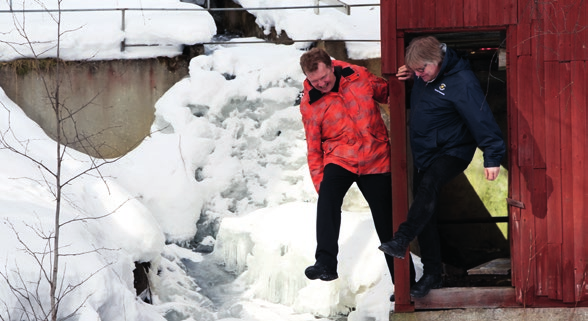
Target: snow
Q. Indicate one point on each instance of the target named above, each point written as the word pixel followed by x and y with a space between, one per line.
pixel 330 24
pixel 97 34
pixel 225 167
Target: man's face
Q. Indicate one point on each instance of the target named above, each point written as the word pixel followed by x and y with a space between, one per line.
pixel 323 78
pixel 427 71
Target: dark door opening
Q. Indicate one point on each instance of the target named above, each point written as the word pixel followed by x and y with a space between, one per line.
pixel 473 214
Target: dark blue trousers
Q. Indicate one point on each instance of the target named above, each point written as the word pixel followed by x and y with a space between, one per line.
pixel 376 189
pixel 422 215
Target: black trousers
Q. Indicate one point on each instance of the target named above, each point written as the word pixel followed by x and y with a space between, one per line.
pixel 422 215
pixel 377 190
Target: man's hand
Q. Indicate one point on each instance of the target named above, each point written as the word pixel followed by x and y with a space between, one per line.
pixel 491 173
pixel 403 73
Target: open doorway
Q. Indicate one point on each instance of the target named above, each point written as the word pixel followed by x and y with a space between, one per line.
pixel 473 214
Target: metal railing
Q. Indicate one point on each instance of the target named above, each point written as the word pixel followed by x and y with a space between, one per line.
pixel 336 4
pixel 346 9
pixel 332 4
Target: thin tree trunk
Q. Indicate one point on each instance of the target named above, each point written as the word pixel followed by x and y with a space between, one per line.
pixel 55 272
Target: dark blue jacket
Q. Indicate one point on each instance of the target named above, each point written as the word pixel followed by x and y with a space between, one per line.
pixel 450 116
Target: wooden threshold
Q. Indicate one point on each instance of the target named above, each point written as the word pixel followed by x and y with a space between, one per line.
pixel 467 297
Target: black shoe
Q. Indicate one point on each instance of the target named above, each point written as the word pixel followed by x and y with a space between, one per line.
pixel 319 271
pixel 425 284
pixel 396 247
pixel 392 298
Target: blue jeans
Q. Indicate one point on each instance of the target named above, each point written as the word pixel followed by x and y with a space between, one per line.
pixel 422 217
pixel 377 190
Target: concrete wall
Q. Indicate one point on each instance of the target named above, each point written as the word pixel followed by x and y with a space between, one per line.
pixel 111 102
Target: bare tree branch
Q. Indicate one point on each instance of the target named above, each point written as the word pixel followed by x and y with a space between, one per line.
pixel 31 295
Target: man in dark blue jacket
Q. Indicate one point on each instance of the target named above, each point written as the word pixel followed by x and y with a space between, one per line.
pixel 449 119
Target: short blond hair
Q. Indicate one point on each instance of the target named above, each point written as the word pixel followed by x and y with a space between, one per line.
pixel 423 50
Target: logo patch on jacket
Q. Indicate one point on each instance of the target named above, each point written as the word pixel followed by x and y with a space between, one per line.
pixel 441 88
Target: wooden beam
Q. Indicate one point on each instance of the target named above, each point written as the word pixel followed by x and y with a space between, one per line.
pixel 398 166
pixel 466 297
pixel 388 36
pixel 482 298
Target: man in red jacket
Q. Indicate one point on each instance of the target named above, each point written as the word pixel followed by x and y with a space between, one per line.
pixel 347 142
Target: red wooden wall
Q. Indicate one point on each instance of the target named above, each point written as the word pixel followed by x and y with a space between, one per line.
pixel 547 79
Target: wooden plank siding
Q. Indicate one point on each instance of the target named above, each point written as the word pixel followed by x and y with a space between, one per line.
pixel 523 43
pixel 526 9
pixel 539 192
pixel 454 13
pixel 401 13
pixel 447 15
pixel 553 173
pixel 580 32
pixel 493 13
pixel 509 13
pixel 527 261
pixel 564 25
pixel 427 13
pixel 547 88
pixel 581 245
pixel 388 36
pixel 514 173
pixel 566 183
pixel 536 79
pixel 578 122
pixel 483 14
pixel 583 41
pixel 470 13
pixel 550 41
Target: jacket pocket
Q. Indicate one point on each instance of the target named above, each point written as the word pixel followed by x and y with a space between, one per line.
pixel 330 144
pixel 379 134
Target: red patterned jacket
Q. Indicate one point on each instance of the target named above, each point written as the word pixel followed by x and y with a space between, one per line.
pixel 345 127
